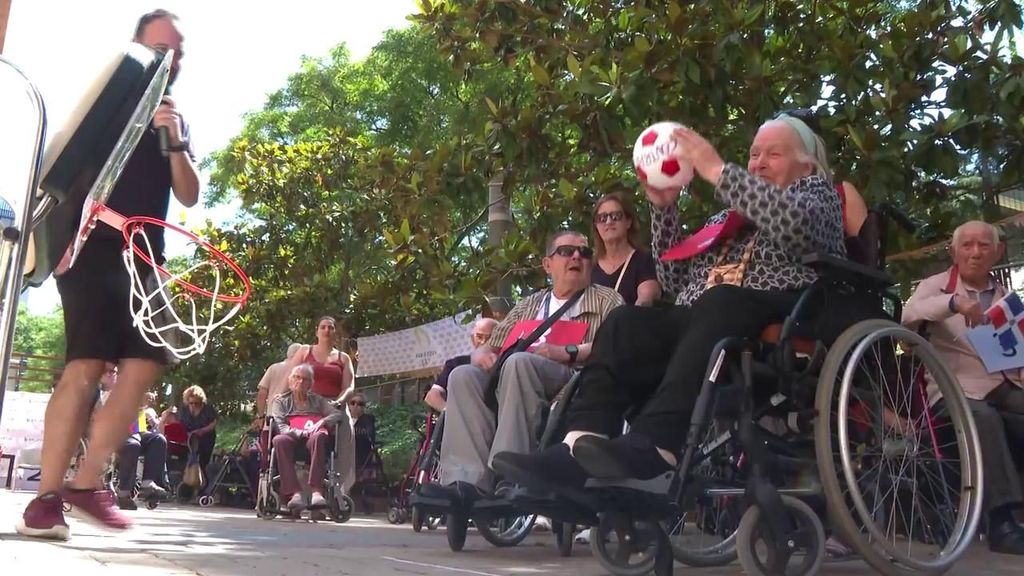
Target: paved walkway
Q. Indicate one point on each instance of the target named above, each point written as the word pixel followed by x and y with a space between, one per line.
pixel 178 540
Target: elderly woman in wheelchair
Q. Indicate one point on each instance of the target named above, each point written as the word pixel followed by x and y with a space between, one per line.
pixel 774 256
pixel 302 425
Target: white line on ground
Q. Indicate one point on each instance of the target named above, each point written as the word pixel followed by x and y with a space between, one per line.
pixel 449 568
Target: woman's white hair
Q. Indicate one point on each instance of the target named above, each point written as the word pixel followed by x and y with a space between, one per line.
pixel 811 148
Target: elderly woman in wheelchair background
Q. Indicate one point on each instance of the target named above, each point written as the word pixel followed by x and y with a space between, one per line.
pixel 304 420
pixel 782 207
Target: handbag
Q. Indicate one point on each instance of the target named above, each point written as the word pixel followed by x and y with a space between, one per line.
pixel 521 345
pixel 193 475
pixel 733 273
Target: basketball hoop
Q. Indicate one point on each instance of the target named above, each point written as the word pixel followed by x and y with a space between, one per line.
pixel 167 308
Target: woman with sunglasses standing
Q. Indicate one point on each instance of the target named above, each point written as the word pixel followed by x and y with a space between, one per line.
pixel 622 264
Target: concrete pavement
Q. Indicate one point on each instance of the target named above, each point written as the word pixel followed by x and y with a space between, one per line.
pixel 178 540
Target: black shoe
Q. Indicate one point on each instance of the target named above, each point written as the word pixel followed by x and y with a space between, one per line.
pixel 438 492
pixel 628 456
pixel 1006 538
pixel 125 502
pixel 458 493
pixel 545 470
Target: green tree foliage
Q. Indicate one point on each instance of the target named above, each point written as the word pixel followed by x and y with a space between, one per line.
pixel 39 334
pixel 918 94
pixel 362 185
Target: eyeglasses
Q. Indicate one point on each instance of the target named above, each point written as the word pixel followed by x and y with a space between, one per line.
pixel 567 250
pixel 194 403
pixel 604 217
pixel 356 403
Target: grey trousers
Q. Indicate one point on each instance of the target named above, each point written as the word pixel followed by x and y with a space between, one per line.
pixel 999 419
pixel 472 436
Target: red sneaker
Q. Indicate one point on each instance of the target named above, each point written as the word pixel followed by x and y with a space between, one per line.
pixel 98 507
pixel 44 518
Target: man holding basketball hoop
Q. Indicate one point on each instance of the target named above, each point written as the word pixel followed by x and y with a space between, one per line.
pixel 95 296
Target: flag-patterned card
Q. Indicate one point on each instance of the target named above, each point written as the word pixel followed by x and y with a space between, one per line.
pixel 1000 343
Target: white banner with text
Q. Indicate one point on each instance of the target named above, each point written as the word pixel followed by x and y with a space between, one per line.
pixel 426 346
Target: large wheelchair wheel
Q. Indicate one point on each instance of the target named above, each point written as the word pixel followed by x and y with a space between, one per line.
pixel 505 531
pixel 901 473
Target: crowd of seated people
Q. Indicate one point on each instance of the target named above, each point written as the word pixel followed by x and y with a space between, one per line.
pixel 782 206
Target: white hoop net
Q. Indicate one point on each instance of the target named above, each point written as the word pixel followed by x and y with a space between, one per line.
pixel 171 316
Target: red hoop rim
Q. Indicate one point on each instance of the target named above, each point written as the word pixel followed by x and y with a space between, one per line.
pixel 133 221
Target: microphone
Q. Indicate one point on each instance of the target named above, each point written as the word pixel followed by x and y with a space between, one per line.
pixel 165 140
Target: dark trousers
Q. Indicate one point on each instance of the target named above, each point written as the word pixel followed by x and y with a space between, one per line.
pixel 317 446
pixel 206 444
pixel 152 446
pixel 656 358
pixel 999 419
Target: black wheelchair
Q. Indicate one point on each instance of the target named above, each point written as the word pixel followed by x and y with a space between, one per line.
pixel 503 522
pixel 787 430
pixel 268 499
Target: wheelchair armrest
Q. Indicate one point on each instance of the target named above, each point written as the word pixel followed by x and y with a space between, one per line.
pixel 844 270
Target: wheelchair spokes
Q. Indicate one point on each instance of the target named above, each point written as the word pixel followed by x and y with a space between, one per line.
pixel 906 468
pixel 703 534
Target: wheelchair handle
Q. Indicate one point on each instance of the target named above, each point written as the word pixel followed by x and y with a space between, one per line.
pixel 899 216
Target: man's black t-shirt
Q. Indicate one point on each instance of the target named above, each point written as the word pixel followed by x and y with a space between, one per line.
pixel 451 364
pixel 144 189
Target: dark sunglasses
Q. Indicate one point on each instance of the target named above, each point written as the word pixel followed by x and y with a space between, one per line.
pixel 356 403
pixel 602 217
pixel 567 250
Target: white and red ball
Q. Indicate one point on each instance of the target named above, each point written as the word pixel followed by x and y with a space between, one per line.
pixel 655 160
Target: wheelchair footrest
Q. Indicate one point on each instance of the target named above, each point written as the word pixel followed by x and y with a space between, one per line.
pixel 657 485
pixel 430 505
pixel 559 509
pixel 488 507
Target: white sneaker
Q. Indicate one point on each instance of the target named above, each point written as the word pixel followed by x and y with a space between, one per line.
pixel 542 524
pixel 296 503
pixel 317 500
pixel 583 537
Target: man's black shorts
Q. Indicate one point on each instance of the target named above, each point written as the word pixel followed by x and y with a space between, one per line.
pixel 95 295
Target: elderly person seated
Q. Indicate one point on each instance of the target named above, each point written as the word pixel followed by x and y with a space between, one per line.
pixel 303 418
pixel 528 380
pixel 782 207
pixel 950 303
pixel 479 334
pixel 144 440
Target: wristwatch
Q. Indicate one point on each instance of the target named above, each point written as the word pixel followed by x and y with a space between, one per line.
pixel 573 351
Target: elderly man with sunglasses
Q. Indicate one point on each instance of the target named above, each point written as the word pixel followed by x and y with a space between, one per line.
pixel 528 380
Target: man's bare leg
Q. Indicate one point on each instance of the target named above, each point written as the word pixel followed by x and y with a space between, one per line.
pixel 67 413
pixel 111 424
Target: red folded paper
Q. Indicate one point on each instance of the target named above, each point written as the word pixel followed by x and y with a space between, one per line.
pixel 303 422
pixel 561 333
pixel 705 238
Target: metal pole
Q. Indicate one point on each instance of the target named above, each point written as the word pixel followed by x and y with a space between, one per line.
pixel 14 243
pixel 499 222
